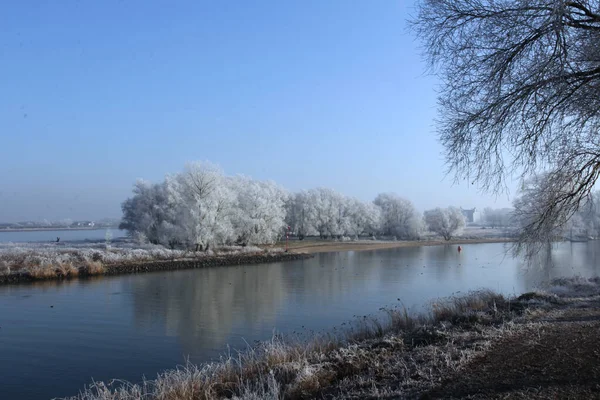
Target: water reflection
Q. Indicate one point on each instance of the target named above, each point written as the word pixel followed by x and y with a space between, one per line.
pixel 203 307
pixel 561 259
pixel 444 261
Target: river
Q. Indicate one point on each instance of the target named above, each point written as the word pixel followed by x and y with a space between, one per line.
pixel 56 336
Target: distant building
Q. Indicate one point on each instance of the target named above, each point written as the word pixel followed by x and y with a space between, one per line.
pixel 469 214
pixel 83 224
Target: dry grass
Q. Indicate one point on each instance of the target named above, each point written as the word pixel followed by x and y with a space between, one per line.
pixel 4 268
pixel 474 307
pixel 262 372
pixel 50 261
pixel 94 268
pixel 392 354
pixel 42 271
pixel 66 269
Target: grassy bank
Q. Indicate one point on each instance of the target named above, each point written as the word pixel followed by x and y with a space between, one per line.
pixel 538 345
pixel 26 263
pixel 323 246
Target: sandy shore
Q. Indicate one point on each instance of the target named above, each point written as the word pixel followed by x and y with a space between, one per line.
pixel 317 246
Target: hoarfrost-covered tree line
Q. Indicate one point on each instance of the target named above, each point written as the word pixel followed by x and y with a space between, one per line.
pixel 201 207
pixel 497 218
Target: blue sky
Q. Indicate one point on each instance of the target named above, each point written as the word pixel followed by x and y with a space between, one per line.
pixel 307 93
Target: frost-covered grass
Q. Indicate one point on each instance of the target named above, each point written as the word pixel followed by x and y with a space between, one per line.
pixel 393 343
pixel 51 260
pixel 576 286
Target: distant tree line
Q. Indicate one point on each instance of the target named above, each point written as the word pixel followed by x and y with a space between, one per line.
pixel 497 217
pixel 201 207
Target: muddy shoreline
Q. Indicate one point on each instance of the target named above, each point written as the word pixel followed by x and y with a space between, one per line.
pixel 316 246
pixel 162 265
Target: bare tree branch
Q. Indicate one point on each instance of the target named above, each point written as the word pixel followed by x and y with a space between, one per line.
pixel 520 93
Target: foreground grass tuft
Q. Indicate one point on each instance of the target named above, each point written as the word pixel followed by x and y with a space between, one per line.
pixel 476 307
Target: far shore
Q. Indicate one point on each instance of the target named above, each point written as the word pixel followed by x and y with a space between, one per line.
pixel 83 228
pixel 316 246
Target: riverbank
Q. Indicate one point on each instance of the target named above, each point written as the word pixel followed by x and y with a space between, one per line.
pixel 323 246
pixel 28 262
pixel 19 265
pixel 538 345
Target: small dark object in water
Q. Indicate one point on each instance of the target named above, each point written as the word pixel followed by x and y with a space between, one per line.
pixel 57 239
pixel 51 306
pixel 459 249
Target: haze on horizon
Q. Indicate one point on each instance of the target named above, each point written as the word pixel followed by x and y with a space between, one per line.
pixel 312 94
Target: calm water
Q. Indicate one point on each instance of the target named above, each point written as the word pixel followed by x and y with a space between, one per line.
pixel 129 326
pixel 64 235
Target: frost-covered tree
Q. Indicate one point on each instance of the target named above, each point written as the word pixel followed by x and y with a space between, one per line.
pixel 298 214
pixel 398 216
pixel 259 211
pixel 590 213
pixel 326 212
pixel 576 227
pixel 520 85
pixel 532 201
pixel 201 207
pixel 445 222
pixel 204 200
pixel 363 218
pixel 535 194
pixel 150 212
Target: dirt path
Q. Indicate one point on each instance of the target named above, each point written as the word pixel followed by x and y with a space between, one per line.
pixel 559 359
pixel 546 349
pixel 329 246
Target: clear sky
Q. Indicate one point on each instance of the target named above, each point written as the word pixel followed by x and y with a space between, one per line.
pixel 95 94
